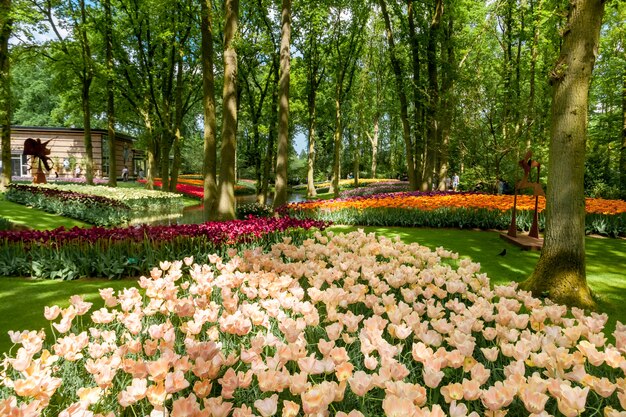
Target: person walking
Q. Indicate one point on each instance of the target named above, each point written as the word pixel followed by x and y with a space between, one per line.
pixel 125 173
pixel 455 182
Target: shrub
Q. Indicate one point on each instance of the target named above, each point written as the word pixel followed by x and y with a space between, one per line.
pixel 253 209
pixel 97 210
pixel 5 224
pixel 450 209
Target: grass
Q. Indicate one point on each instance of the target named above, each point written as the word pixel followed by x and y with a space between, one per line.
pixel 33 218
pixel 22 301
pixel 605 260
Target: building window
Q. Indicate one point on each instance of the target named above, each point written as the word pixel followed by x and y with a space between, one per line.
pixel 19 165
pixel 105 156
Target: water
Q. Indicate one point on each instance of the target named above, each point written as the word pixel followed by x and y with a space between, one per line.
pixel 195 214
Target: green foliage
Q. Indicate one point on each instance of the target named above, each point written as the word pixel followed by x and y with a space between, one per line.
pixel 95 212
pixel 5 224
pixel 254 209
pixel 462 218
pixel 97 205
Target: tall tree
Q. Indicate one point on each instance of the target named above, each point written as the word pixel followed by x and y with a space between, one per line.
pixel 78 62
pixel 282 154
pixel 433 110
pixel 108 39
pixel 347 45
pixel 400 88
pixel 560 272
pixel 209 166
pixel 312 48
pixel 226 203
pixel 622 155
pixel 6 23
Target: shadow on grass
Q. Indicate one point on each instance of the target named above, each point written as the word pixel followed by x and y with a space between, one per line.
pixel 22 301
pixel 35 218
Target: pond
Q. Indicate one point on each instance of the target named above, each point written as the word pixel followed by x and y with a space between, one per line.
pixel 195 214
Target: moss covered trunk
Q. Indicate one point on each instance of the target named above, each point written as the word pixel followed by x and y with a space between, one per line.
pixel 560 271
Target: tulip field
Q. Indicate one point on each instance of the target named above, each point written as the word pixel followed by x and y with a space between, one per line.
pixel 344 325
pixel 288 317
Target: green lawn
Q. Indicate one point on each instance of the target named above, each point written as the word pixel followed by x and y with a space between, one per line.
pixel 606 259
pixel 22 301
pixel 34 218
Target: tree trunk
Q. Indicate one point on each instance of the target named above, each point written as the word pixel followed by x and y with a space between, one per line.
pixel 310 177
pixel 560 272
pixel 432 113
pixel 622 155
pixel 87 135
pixel 418 114
pixel 334 184
pixel 226 203
pixel 269 156
pixel 533 69
pixel 86 79
pixel 400 88
pixel 374 142
pixel 178 123
pixel 447 105
pixel 108 35
pixel 177 160
pixel 209 165
pixel 282 154
pixel 5 91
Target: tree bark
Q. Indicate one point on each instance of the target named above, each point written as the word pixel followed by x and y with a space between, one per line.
pixel 622 155
pixel 404 113
pixel 417 94
pixel 6 24
pixel 560 272
pixel 226 203
pixel 282 154
pixel 447 104
pixel 86 79
pixel 209 164
pixel 178 123
pixel 310 168
pixel 432 113
pixel 269 156
pixel 334 184
pixel 374 142
pixel 108 35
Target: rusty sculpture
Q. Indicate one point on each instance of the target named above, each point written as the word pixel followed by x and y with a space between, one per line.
pixel 527 165
pixel 37 149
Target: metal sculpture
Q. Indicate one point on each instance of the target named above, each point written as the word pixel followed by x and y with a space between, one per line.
pixel 37 149
pixel 527 165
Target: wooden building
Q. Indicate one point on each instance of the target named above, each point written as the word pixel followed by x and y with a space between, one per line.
pixel 67 148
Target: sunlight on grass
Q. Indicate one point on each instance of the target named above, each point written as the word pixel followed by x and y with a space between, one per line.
pixel 22 301
pixel 35 218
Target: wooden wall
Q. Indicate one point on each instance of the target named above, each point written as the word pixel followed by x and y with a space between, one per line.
pixel 69 144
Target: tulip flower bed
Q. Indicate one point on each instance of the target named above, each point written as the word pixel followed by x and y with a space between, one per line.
pixel 97 210
pixel 123 252
pixel 376 188
pixel 452 209
pixel 194 187
pixel 349 183
pixel 98 205
pixel 346 325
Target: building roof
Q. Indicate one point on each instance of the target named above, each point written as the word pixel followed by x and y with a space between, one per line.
pixel 120 136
